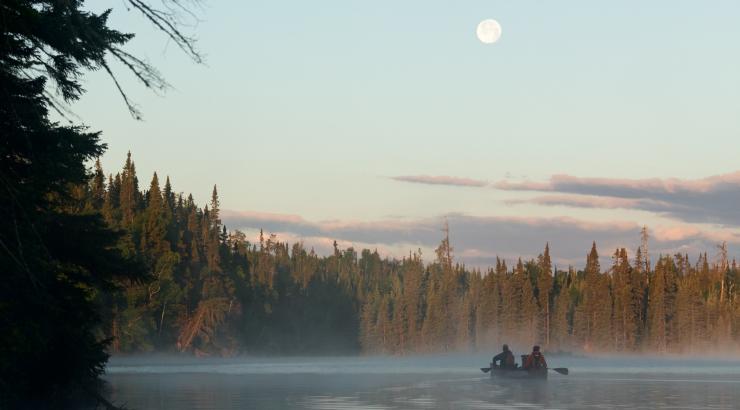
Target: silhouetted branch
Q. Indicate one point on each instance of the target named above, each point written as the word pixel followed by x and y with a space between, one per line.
pixel 147 74
pixel 169 20
pixel 132 109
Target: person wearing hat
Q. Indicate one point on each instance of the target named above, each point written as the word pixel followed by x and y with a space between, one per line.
pixel 536 360
pixel 504 359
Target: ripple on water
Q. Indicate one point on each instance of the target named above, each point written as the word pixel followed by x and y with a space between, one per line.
pixel 421 401
pixel 339 403
pixel 484 405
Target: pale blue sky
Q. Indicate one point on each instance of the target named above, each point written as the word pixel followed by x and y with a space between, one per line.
pixel 308 108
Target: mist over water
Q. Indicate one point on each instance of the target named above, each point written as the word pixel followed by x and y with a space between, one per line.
pixel 450 381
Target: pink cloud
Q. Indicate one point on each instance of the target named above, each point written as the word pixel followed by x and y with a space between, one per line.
pixel 523 186
pixel 712 199
pixel 590 201
pixel 686 232
pixel 441 180
pixel 675 233
pixel 561 221
pixel 559 182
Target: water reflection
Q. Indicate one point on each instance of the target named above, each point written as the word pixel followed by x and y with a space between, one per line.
pixel 332 386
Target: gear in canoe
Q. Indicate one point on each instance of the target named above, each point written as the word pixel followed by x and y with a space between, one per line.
pixel 534 365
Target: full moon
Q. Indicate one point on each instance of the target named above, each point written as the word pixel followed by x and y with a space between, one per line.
pixel 488 31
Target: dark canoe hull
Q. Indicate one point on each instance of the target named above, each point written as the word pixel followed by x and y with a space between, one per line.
pixel 519 374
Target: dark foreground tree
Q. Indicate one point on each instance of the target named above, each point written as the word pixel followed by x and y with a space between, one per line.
pixel 55 256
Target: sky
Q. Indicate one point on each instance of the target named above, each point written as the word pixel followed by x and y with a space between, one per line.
pixel 371 123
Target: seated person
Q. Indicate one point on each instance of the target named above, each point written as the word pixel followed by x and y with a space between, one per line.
pixel 536 360
pixel 504 359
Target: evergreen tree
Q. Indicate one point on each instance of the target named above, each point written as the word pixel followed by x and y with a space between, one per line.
pixel 154 227
pixel 212 235
pixel 487 318
pixel 528 318
pixel 97 187
pixel 626 312
pixel 657 316
pixel 594 313
pixel 560 323
pixel 412 292
pixel 691 326
pixel 129 193
pixel 544 290
pixel 54 258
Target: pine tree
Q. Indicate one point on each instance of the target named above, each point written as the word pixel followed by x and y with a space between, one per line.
pixel 595 311
pixel 487 318
pixel 544 289
pixel 97 187
pixel 111 210
pixel 509 304
pixel 412 292
pixel 691 326
pixel 212 233
pixel 433 330
pixel 369 339
pixel 528 318
pixel 192 235
pixel 560 328
pixel 657 326
pixel 129 194
pixel 154 227
pixel 169 196
pixel 626 312
pixel 399 343
pixel 54 259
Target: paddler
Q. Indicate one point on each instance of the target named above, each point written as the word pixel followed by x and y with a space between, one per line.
pixel 504 359
pixel 536 360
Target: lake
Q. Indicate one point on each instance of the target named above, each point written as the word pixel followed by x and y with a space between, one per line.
pixel 419 382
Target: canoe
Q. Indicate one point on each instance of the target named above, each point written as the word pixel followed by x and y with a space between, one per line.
pixel 518 373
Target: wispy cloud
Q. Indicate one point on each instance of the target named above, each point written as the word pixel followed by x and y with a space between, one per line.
pixel 441 180
pixel 634 188
pixel 713 199
pixel 581 201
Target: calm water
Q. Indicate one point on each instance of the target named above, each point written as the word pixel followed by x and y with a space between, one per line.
pixel 450 382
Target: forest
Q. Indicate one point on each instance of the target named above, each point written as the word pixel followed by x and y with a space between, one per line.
pixel 209 291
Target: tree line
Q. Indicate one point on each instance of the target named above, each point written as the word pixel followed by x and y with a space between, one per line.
pixel 212 292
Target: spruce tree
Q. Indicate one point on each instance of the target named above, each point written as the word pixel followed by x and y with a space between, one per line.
pixel 560 326
pixel 154 242
pixel 53 259
pixel 212 233
pixel 487 317
pixel 593 315
pixel 97 187
pixel 544 290
pixel 657 326
pixel 528 305
pixel 412 292
pixel 56 254
pixel 129 194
